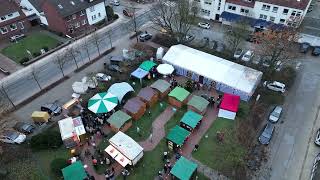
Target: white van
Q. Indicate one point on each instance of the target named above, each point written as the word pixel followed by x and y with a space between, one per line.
pixel 115 2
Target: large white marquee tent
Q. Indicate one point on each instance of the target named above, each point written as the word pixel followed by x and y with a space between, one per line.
pixel 228 76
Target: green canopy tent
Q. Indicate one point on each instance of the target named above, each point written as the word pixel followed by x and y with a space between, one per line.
pixel 176 137
pixel 190 120
pixel 184 169
pixel 162 86
pixel 198 104
pixel 147 65
pixel 178 96
pixel 102 102
pixel 75 171
pixel 120 121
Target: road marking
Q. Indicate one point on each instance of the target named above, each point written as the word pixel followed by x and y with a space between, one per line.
pixel 311 135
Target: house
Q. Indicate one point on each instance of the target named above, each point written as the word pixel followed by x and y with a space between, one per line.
pixel 12 20
pixel 73 17
pixel 33 10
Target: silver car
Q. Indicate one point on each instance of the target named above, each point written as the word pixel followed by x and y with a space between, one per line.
pixel 275 114
pixel 12 137
pixel 317 140
pixel 266 134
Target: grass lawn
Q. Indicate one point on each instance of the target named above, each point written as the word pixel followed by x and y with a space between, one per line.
pixel 33 43
pixel 222 157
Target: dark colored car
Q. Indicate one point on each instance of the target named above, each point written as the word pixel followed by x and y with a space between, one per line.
pixel 316 51
pixel 315 172
pixel 145 37
pixel 52 108
pixel 115 68
pixel 23 127
pixel 304 47
pixel 267 133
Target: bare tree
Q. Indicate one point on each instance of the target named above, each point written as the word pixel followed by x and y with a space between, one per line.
pixel 277 45
pixel 5 98
pixel 72 53
pixel 175 17
pixel 133 21
pixel 97 41
pixel 60 61
pixel 35 75
pixel 237 34
pixel 85 45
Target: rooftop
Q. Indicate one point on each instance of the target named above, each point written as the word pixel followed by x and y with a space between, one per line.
pixel 8 7
pixel 242 3
pixel 297 4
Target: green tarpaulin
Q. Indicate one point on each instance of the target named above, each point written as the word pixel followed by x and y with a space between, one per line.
pixel 147 65
pixel 177 135
pixel 179 93
pixel 74 171
pixel 161 85
pixel 118 118
pixel 191 119
pixel 198 102
pixel 184 168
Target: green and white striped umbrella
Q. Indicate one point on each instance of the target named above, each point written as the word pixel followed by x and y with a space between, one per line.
pixel 102 102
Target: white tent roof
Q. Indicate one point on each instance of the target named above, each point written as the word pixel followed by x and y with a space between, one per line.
pixel 126 145
pixel 212 67
pixel 79 87
pixel 120 89
pixel 69 127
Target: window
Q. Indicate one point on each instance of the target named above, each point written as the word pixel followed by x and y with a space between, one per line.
pixel 3 18
pixel 76 25
pixel 275 9
pixel 219 8
pixel 293 13
pixel 21 25
pixel 74 16
pixel 9 15
pixel 244 10
pixel 262 16
pixel 282 21
pixel 3 30
pixel 232 8
pixel 265 7
pixel 13 27
pixel 205 12
pixel 93 17
pixel 92 8
pixel 272 19
pixel 60 6
pixel 99 15
pixel 209 3
pixel 82 13
pixel 197 0
pixel 84 22
pixel 285 11
pixel 299 14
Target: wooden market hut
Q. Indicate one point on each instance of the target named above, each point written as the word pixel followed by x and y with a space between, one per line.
pixel 135 108
pixel 190 120
pixel 178 96
pixel 119 121
pixel 162 87
pixel 148 95
pixel 198 104
pixel 184 169
pixel 176 137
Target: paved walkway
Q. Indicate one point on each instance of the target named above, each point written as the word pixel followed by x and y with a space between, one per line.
pixel 158 131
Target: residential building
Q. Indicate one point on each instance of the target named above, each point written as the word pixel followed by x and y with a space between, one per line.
pixel 73 17
pixel 12 19
pixel 32 9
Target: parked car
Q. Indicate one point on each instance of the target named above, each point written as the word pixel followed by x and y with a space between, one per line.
pixel 266 134
pixel 304 47
pixel 24 127
pixel 115 2
pixel 12 137
pixel 275 114
pixel 17 37
pixel 52 108
pixel 220 47
pixel 316 51
pixel 145 36
pixel 237 54
pixel 315 168
pixel 247 56
pixel 103 77
pixel 275 86
pixel 115 68
pixel 257 59
pixel 317 140
pixel 204 25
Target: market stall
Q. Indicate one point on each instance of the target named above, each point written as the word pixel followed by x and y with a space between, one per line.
pixel 178 96
pixel 229 106
pixel 139 74
pixel 135 108
pixel 75 171
pixel 124 149
pixel 162 86
pixel 80 87
pixel 147 65
pixel 165 69
pixel 148 95
pixel 120 90
pixel 184 169
pixel 71 129
pixel 190 120
pixel 40 117
pixel 176 137
pixel 226 76
pixel 198 104
pixel 120 121
pixel 102 102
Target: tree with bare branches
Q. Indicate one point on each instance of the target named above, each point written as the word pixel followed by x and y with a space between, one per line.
pixel 97 41
pixel 85 45
pixel 72 53
pixel 237 34
pixel 5 100
pixel 35 75
pixel 61 61
pixel 175 17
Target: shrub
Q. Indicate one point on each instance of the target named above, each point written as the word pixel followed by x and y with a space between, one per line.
pixel 57 164
pixel 115 16
pixel 164 40
pixel 287 76
pixel 36 54
pixel 23 60
pixel 46 140
pixel 110 12
pixel 45 48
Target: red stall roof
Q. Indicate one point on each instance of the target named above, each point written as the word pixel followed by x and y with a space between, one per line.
pixel 230 102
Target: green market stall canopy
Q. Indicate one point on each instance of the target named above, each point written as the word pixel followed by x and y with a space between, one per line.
pixel 191 119
pixel 183 169
pixel 178 135
pixel 118 119
pixel 74 171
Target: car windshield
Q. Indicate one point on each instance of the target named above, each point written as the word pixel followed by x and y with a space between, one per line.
pixel 104 76
pixel 265 134
pixel 246 56
pixel 12 135
pixel 238 51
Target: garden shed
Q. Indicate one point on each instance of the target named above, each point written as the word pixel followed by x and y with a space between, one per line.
pixel 198 104
pixel 74 171
pixel 184 169
pixel 120 90
pixel 176 137
pixel 162 86
pixel 147 65
pixel 229 106
pixel 120 121
pixel 178 96
pixel 190 120
pixel 135 107
pixel 227 76
pixel 148 95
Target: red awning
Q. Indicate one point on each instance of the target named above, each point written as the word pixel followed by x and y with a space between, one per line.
pixel 230 102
